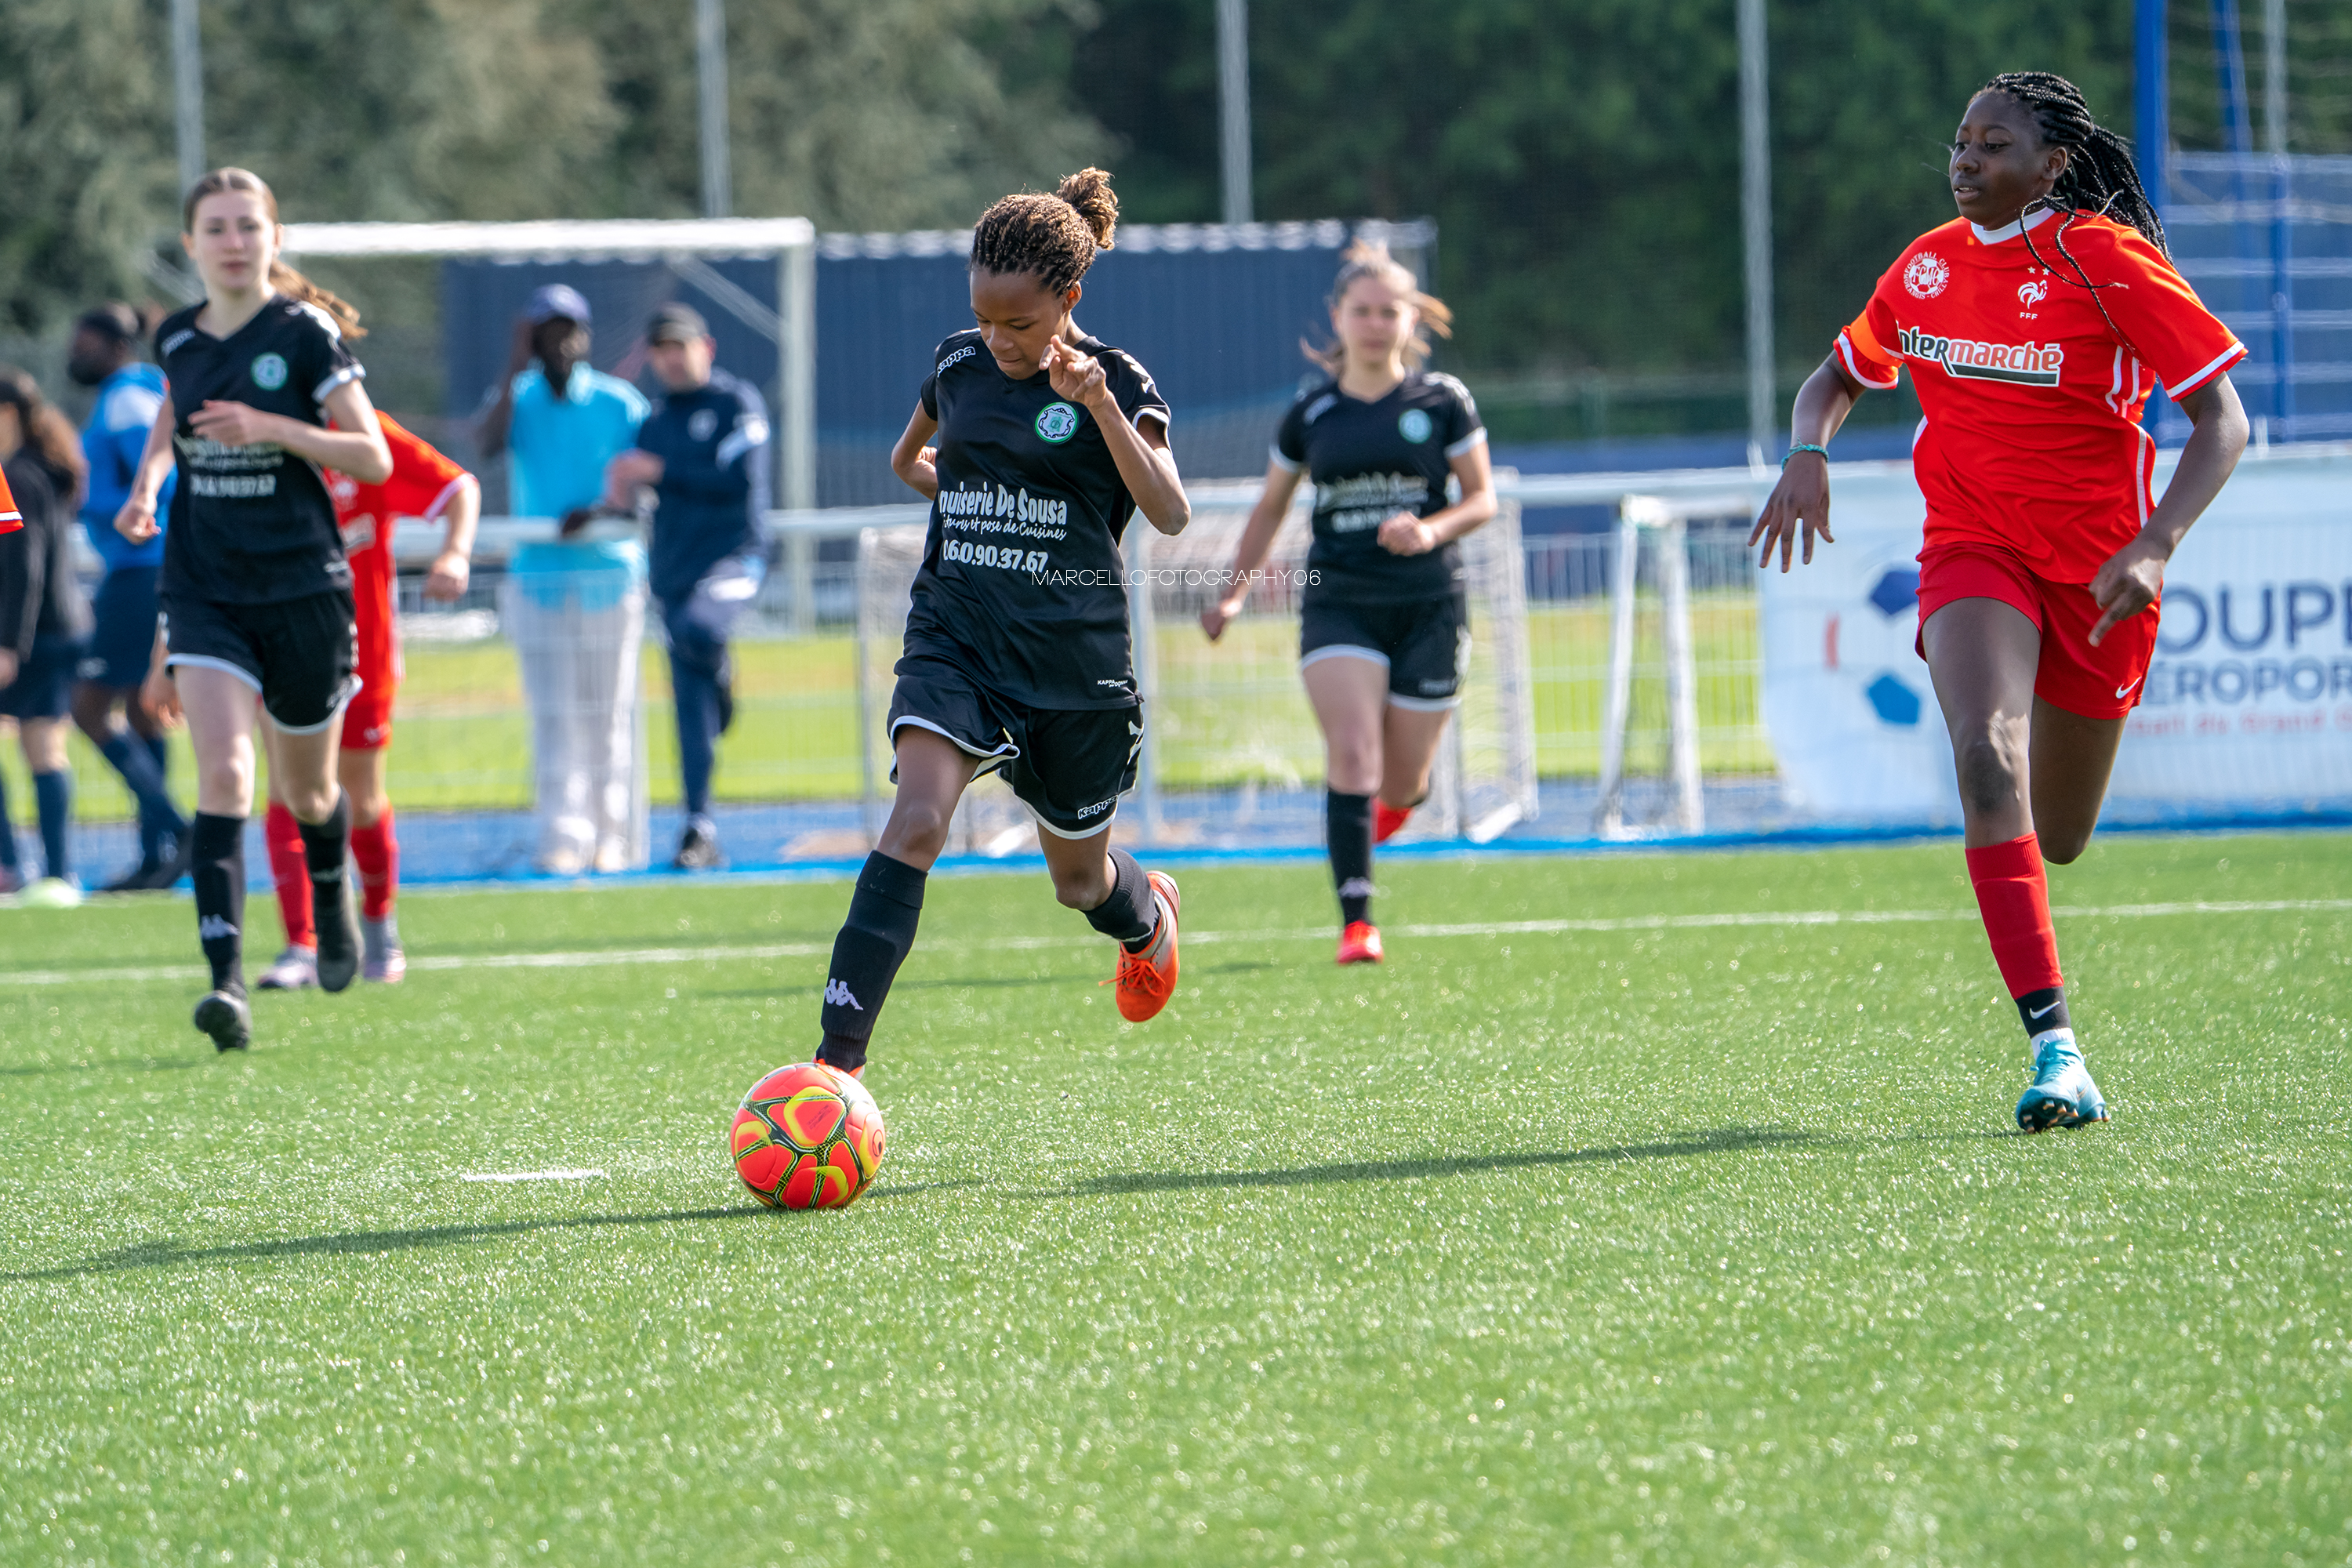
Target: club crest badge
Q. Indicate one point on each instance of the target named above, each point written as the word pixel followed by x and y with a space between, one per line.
pixel 1414 425
pixel 1057 422
pixel 1927 276
pixel 269 371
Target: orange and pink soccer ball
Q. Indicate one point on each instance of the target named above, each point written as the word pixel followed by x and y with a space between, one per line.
pixel 807 1137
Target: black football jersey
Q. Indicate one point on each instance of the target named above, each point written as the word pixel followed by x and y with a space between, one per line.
pixel 253 524
pixel 1369 461
pixel 1022 582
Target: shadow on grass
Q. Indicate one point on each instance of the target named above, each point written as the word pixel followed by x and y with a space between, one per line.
pixel 147 1064
pixel 162 1255
pixel 1728 1139
pixel 951 983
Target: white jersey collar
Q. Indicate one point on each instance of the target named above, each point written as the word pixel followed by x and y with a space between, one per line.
pixel 2009 230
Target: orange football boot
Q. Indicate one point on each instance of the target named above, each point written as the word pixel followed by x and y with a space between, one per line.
pixel 1147 979
pixel 1360 943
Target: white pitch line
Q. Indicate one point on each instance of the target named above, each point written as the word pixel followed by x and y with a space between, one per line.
pixel 530 1176
pixel 617 958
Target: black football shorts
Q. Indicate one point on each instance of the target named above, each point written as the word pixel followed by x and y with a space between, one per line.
pixel 1068 765
pixel 301 656
pixel 1424 643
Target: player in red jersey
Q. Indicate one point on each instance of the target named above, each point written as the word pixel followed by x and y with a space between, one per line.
pixel 10 519
pixel 428 487
pixel 2035 326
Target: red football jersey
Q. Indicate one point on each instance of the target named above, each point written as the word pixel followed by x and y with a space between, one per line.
pixel 10 519
pixel 421 484
pixel 2031 441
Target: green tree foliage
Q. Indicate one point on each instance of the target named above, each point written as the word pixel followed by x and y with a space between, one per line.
pixel 859 113
pixel 85 152
pixel 1583 160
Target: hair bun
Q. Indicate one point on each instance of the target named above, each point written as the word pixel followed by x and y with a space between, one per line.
pixel 1089 191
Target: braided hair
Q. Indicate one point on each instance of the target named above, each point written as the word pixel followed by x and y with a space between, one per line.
pixel 2100 173
pixel 1052 238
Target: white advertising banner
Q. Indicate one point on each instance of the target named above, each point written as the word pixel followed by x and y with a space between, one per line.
pixel 2248 705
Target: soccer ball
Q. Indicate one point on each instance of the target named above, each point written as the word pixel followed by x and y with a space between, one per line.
pixel 807 1137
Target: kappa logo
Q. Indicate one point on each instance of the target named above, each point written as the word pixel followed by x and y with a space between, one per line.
pixel 213 927
pixel 269 371
pixel 1927 276
pixel 702 424
pixel 1357 888
pixel 837 995
pixel 2031 294
pixel 1057 422
pixel 1135 735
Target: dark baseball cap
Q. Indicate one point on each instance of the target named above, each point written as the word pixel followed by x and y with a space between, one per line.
pixel 113 320
pixel 557 302
pixel 677 323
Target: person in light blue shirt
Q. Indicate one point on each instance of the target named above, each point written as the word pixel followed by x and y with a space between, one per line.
pixel 575 606
pixel 558 420
pixel 106 704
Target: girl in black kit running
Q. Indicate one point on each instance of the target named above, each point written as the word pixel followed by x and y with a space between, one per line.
pixel 1047 443
pixel 1384 633
pixel 257 594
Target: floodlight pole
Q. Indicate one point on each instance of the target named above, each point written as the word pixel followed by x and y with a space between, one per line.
pixel 710 61
pixel 1756 214
pixel 1234 107
pixel 2274 132
pixel 2152 72
pixel 188 92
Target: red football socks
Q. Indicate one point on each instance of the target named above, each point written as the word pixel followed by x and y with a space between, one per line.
pixel 2014 895
pixel 292 871
pixel 378 854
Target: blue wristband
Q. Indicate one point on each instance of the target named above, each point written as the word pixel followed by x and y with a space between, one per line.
pixel 1805 446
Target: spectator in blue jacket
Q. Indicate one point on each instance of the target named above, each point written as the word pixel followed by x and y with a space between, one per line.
pixel 108 706
pixel 705 452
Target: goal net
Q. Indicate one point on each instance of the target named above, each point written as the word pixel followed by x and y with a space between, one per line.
pixel 1233 757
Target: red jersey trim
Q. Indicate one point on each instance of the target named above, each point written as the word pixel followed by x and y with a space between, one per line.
pixel 2224 360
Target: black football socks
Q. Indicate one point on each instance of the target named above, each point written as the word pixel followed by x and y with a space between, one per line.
pixel 325 845
pixel 2044 1010
pixel 1131 914
pixel 874 942
pixel 1347 829
pixel 217 869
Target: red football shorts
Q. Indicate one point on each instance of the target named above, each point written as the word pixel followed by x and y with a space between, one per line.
pixel 367 720
pixel 2102 682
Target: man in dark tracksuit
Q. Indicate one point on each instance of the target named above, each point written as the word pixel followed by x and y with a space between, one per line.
pixel 705 452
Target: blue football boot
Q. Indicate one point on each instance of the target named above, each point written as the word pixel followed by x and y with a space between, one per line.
pixel 2062 1093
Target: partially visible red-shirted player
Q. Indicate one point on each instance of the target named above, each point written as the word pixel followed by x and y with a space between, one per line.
pixel 2035 327
pixel 429 487
pixel 10 519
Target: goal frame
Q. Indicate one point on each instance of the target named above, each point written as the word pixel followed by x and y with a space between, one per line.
pixel 789 241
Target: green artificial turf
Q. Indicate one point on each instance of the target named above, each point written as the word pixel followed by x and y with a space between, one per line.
pixel 1677 1243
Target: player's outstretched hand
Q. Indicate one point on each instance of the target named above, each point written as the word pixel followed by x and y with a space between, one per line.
pixel 1798 503
pixel 446 582
pixel 136 521
pixel 1405 535
pixel 2129 582
pixel 232 423
pixel 1077 376
pixel 1219 616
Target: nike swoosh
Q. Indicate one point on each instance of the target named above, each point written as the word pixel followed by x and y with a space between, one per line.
pixel 2125 689
pixel 2052 1008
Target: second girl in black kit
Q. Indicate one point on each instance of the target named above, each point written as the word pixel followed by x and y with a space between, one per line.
pixel 1036 445
pixel 257 592
pixel 1384 624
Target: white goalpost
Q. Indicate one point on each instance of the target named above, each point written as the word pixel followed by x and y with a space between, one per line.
pixel 686 245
